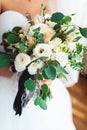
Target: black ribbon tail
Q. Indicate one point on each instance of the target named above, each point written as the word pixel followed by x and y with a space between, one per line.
pixel 18 102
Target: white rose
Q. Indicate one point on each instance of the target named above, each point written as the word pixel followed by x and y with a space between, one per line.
pixel 54 44
pixel 32 69
pixel 43 28
pixel 62 58
pixel 21 61
pixel 72 45
pixel 42 50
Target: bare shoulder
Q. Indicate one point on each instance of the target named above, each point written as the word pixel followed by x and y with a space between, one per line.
pixel 0 6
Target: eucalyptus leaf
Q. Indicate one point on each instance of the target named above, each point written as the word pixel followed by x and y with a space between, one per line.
pixel 66 19
pixel 57 27
pixel 50 72
pixel 22 44
pixel 39 101
pixel 16 29
pixel 39 76
pixel 44 88
pixel 30 85
pixel 83 32
pixel 61 72
pixel 12 38
pixel 4 60
pixel 61 69
pixel 44 74
pixel 57 17
pixel 71 30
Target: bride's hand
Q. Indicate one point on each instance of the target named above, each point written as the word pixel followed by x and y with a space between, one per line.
pixel 6 72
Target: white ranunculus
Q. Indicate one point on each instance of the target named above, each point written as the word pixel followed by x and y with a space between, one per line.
pixel 62 58
pixel 42 50
pixel 54 44
pixel 38 19
pixel 21 61
pixel 32 69
pixel 43 28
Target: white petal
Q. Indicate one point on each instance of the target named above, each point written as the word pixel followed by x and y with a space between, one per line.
pixel 21 61
pixel 55 42
pixel 42 50
pixel 32 69
pixel 62 58
pixel 43 28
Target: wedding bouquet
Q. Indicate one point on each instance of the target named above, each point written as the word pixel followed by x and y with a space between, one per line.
pixel 41 51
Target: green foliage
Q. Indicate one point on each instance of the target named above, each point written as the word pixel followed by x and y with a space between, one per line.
pixel 76 65
pixel 57 17
pixel 44 88
pixel 77 39
pixel 66 19
pixel 30 85
pixel 12 38
pixel 4 60
pixel 39 76
pixel 79 48
pixel 42 103
pixel 16 29
pixel 61 72
pixel 83 31
pixel 71 30
pixel 22 44
pixel 38 35
pixel 57 27
pixel 49 72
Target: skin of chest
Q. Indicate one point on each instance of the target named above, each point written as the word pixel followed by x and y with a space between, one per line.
pixel 23 6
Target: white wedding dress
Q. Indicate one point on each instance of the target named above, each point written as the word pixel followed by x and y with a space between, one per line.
pixel 58 116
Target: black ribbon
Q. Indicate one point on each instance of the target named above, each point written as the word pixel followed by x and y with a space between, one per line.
pixel 21 94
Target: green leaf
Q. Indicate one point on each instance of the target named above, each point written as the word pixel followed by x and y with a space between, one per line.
pixel 16 29
pixel 39 101
pixel 61 72
pixel 36 29
pixel 44 74
pixel 5 35
pixel 39 76
pixel 83 32
pixel 44 88
pixel 50 72
pixel 57 17
pixel 30 85
pixel 77 39
pixel 22 44
pixel 71 30
pixel 79 48
pixel 12 38
pixel 66 19
pixel 4 60
pixel 57 27
pixel 61 69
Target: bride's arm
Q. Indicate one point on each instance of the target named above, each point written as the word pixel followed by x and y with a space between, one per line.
pixel 6 72
pixel 0 6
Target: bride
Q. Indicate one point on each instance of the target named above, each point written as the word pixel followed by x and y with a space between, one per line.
pixel 58 116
